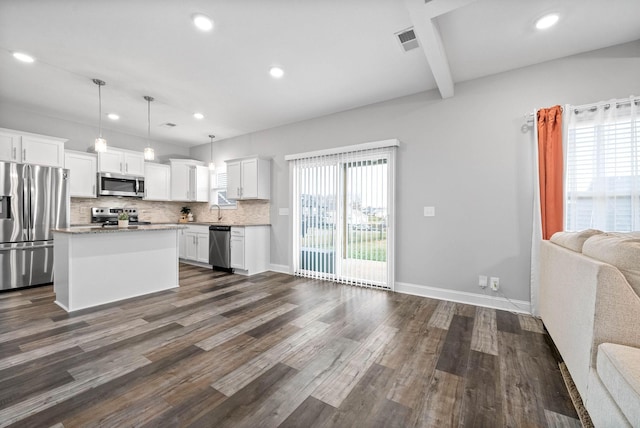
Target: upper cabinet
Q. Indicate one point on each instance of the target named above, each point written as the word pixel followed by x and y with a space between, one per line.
pixel 189 180
pixel 82 169
pixel 249 178
pixel 121 161
pixel 157 182
pixel 25 147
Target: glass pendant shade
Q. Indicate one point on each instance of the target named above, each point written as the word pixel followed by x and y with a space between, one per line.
pixel 100 145
pixel 149 154
pixel 212 166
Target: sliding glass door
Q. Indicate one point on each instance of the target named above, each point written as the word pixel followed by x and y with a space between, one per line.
pixel 342 208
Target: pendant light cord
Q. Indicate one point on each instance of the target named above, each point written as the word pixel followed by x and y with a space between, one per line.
pixel 211 150
pixel 100 110
pixel 149 122
pixel 149 99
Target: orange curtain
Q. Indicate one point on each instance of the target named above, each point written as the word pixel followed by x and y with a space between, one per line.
pixel 550 161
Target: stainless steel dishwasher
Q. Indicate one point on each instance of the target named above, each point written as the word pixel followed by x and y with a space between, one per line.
pixel 220 247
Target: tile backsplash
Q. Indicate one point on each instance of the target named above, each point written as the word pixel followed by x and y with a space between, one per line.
pixel 248 212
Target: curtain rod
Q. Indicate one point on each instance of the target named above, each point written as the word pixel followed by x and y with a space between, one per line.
pixel 606 104
pixel 619 102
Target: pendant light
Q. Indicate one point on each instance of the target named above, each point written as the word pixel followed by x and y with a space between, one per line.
pixel 149 154
pixel 100 144
pixel 212 165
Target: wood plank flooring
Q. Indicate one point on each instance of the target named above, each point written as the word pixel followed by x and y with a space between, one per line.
pixel 274 350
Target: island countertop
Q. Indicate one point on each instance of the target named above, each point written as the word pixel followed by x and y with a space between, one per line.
pixel 115 229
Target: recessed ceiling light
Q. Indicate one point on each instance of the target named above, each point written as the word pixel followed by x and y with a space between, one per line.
pixel 547 21
pixel 113 116
pixel 202 22
pixel 198 115
pixel 23 57
pixel 276 72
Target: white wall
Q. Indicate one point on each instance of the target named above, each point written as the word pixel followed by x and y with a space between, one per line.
pixel 465 155
pixel 80 136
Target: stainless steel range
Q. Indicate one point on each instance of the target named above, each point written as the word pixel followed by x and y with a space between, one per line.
pixel 109 216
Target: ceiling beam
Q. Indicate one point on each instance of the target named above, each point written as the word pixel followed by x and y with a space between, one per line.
pixel 423 15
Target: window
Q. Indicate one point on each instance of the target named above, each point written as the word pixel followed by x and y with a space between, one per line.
pixel 219 189
pixel 603 168
pixel 342 216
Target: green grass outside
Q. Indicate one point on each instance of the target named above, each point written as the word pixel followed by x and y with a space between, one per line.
pixel 362 245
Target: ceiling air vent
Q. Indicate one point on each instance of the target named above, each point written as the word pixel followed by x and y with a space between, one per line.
pixel 407 39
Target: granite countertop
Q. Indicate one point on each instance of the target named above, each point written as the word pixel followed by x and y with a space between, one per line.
pixel 116 229
pixel 197 223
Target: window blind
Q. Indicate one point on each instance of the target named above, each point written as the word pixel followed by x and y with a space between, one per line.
pixel 342 216
pixel 603 167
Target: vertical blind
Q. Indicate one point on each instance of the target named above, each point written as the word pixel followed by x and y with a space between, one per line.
pixel 342 215
pixel 603 167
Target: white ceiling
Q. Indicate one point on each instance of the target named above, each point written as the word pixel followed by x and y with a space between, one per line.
pixel 336 54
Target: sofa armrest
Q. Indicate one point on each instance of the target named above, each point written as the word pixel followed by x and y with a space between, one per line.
pixel 568 283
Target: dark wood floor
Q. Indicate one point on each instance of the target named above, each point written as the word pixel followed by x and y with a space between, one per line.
pixel 274 350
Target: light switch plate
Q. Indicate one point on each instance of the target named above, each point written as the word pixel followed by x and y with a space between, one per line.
pixel 429 211
pixel 283 211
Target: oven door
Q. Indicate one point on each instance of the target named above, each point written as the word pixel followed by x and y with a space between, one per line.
pixel 120 185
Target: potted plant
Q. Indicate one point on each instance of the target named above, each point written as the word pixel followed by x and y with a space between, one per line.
pixel 185 211
pixel 123 219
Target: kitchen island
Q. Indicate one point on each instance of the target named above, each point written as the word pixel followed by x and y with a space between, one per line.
pixel 95 265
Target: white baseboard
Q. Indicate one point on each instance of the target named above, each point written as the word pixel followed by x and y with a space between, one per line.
pixel 279 268
pixel 495 302
pixel 194 263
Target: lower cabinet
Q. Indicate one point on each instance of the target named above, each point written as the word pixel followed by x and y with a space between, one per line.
pixel 194 244
pixel 237 247
pixel 250 249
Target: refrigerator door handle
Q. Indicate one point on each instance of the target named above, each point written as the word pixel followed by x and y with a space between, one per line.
pixel 26 200
pixel 30 185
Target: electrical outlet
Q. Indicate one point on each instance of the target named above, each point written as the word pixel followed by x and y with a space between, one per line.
pixel 482 281
pixel 495 283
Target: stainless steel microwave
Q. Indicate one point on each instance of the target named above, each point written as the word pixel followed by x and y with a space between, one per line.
pixel 120 185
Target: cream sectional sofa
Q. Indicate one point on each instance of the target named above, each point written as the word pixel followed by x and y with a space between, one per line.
pixel 590 305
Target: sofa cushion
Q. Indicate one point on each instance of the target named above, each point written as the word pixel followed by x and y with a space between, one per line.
pixel 621 250
pixel 573 240
pixel 619 370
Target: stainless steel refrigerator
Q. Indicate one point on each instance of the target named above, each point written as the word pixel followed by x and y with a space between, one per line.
pixel 33 201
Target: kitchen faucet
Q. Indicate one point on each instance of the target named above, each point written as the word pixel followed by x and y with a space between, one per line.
pixel 219 215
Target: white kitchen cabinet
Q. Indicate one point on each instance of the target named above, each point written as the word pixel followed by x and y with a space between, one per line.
pixel 121 161
pixel 250 249
pixel 202 183
pixel 237 248
pixel 157 182
pixel 194 244
pixel 248 178
pixel 83 178
pixel 10 144
pixel 189 180
pixel 25 147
